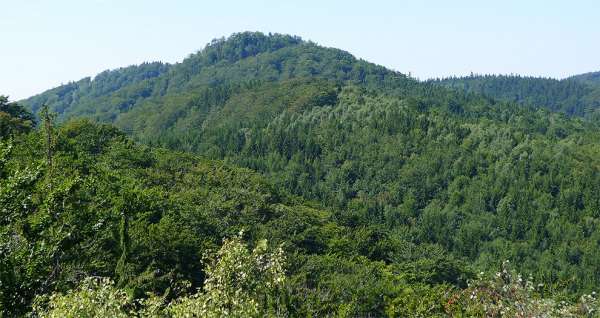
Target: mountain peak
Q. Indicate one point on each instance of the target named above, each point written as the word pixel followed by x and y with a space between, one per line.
pixel 245 44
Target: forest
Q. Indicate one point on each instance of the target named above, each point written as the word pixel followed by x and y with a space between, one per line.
pixel 266 175
pixel 575 96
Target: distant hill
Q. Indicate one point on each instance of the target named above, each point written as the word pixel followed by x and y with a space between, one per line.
pixel 574 96
pixel 253 58
pixel 242 59
pixel 590 78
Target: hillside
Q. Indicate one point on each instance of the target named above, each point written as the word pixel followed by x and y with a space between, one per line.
pixel 397 184
pixel 590 78
pixel 381 149
pixel 14 118
pixel 93 204
pixel 242 59
pixel 574 96
pixel 103 206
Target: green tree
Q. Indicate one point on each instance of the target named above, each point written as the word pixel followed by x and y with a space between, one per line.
pixel 239 283
pixel 14 118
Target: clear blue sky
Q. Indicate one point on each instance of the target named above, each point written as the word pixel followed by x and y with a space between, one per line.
pixel 49 42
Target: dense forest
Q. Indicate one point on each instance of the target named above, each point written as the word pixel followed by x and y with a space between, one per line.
pixel 592 78
pixel 269 176
pixel 575 96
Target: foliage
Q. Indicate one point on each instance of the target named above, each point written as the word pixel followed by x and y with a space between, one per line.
pixel 575 96
pixel 144 217
pixel 174 207
pixel 239 283
pixel 507 294
pixel 419 301
pixel 386 193
pixel 493 182
pixel 95 297
pixel 14 118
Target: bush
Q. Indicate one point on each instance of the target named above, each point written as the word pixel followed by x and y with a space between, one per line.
pixel 507 294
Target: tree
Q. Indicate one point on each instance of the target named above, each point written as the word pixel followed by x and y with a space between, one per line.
pixel 14 118
pixel 95 297
pixel 240 283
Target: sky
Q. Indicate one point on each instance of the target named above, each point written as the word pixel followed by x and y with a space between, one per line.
pixel 45 43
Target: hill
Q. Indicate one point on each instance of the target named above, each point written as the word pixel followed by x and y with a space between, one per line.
pixel 90 203
pixel 590 78
pixel 242 59
pixel 422 178
pixel 574 96
pixel 101 206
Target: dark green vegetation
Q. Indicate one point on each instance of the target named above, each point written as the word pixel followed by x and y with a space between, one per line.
pixel 387 193
pixel 14 118
pixel 102 206
pixel 244 60
pixel 592 78
pixel 575 96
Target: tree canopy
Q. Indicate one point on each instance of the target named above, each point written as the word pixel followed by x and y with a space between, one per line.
pixel 377 194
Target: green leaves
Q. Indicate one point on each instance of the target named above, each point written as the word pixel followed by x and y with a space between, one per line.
pixel 142 217
pixel 413 186
pixel 14 118
pixel 95 297
pixel 239 283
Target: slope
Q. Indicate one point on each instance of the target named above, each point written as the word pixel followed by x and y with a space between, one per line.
pixel 574 96
pixel 480 179
pixel 240 59
pixel 98 205
pixel 590 78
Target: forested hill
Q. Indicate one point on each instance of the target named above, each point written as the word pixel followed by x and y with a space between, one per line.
pixel 412 186
pixel 84 96
pixel 92 224
pixel 575 96
pixel 242 59
pixel 590 78
pixel 439 166
pixel 251 57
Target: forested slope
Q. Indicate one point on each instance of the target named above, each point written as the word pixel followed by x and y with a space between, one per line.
pixel 590 78
pixel 101 206
pixel 242 59
pixel 574 96
pixel 408 182
pixel 485 180
pixel 490 185
pixel 107 227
